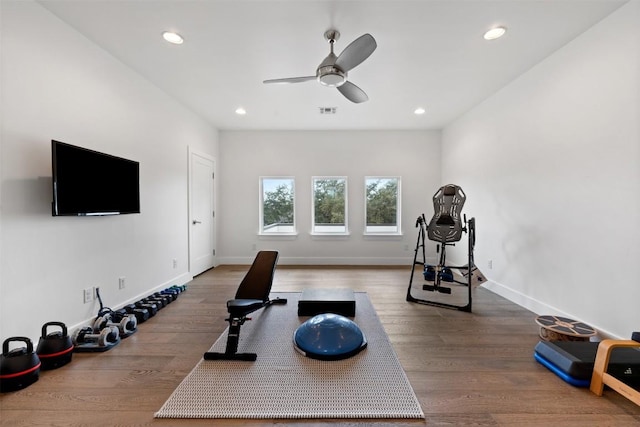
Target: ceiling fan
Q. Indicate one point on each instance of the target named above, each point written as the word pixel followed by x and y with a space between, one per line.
pixel 333 70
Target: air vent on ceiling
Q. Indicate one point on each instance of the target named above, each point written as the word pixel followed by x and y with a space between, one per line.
pixel 327 110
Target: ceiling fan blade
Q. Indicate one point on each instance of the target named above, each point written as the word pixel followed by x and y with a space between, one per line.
pixel 356 52
pixel 353 93
pixel 291 80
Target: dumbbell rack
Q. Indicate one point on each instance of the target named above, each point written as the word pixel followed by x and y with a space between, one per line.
pixel 103 334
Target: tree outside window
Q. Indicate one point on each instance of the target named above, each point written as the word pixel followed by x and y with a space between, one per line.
pixel 382 200
pixel 330 205
pixel 277 205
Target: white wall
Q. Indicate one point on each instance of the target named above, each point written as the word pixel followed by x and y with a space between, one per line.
pixel 552 167
pixel 245 156
pixel 56 84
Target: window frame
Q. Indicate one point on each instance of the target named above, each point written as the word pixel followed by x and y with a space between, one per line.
pixel 316 232
pixel 261 225
pixel 398 226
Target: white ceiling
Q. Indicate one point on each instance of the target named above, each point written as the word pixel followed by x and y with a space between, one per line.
pixel 430 53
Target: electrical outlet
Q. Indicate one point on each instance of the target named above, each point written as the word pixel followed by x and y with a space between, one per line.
pixel 490 264
pixel 121 283
pixel 406 247
pixel 253 247
pixel 175 263
pixel 88 295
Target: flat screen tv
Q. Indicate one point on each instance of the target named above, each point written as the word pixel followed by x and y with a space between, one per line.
pixel 87 182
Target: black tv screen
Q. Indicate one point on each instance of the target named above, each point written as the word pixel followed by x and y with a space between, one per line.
pixel 87 182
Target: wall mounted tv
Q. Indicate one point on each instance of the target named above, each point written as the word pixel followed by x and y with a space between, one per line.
pixel 87 182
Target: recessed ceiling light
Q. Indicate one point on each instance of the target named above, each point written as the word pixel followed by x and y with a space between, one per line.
pixel 241 111
pixel 419 111
pixel 495 33
pixel 172 37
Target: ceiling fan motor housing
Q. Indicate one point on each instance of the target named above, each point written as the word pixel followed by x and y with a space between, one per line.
pixel 327 73
pixel 330 75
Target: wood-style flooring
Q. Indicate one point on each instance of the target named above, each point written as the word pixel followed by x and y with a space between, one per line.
pixel 467 369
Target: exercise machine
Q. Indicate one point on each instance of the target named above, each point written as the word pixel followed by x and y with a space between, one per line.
pixel 446 228
pixel 252 295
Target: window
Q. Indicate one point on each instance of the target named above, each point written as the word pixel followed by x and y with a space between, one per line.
pixel 329 211
pixel 382 205
pixel 277 212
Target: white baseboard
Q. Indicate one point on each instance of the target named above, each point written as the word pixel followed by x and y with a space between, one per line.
pixel 538 307
pixel 372 261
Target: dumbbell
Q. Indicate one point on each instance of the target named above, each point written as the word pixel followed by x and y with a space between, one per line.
pixel 128 321
pixel 171 292
pixel 179 288
pixel 171 295
pixel 165 300
pixel 152 308
pixel 142 314
pixel 126 324
pixel 162 299
pixel 160 303
pixel 100 322
pixel 108 336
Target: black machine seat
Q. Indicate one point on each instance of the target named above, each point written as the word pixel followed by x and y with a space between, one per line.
pixel 252 295
pixel 446 225
pixel 242 307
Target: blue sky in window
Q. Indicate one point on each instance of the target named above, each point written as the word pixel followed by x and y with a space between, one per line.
pixel 270 184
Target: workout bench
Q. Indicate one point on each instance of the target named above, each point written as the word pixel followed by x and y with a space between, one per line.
pixel 252 295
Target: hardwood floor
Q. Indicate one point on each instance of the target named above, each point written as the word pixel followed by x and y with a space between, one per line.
pixel 466 368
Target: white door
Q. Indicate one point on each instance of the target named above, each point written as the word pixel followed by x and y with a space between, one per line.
pixel 202 249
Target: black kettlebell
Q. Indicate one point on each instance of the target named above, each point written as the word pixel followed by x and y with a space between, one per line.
pixel 20 367
pixel 55 348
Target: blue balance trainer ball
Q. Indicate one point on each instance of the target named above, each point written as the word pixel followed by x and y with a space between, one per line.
pixel 329 336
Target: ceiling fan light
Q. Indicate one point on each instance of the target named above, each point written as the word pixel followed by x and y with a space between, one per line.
pixel 495 33
pixel 172 37
pixel 331 76
pixel 331 80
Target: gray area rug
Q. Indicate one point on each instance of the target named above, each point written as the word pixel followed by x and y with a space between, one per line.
pixel 284 384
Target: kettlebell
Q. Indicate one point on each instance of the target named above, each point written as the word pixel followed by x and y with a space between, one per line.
pixel 55 348
pixel 20 367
